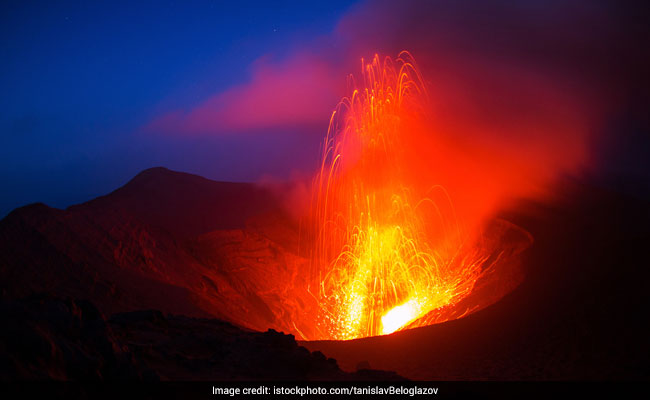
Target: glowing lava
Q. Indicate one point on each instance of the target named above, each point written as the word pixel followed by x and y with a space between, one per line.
pixel 382 260
pixel 400 316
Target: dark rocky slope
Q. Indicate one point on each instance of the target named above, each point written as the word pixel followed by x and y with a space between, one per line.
pixel 43 338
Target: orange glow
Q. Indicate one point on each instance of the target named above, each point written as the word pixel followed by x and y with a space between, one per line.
pixel 387 252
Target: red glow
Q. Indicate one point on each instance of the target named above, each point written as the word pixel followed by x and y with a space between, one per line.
pixel 499 122
pixel 298 91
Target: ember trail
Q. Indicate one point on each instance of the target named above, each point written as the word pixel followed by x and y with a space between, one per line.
pixel 387 254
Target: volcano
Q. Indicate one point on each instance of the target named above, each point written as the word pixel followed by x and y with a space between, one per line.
pixel 173 243
pixel 196 250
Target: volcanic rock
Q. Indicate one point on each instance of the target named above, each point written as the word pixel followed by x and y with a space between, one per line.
pixel 45 338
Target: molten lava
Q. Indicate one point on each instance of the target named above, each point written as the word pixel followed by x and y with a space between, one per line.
pixel 389 249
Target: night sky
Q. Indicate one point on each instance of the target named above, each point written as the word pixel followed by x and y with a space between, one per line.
pixel 80 80
pixel 94 92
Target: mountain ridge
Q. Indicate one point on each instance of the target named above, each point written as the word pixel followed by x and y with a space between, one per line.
pixel 155 243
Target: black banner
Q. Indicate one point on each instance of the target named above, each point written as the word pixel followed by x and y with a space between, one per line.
pixel 310 390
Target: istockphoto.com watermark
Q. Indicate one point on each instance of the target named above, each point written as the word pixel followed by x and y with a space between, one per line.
pixel 320 390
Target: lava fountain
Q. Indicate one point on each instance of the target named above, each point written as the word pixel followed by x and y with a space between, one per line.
pixel 387 253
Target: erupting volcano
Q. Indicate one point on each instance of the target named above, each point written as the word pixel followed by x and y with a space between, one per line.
pixel 280 193
pixel 390 251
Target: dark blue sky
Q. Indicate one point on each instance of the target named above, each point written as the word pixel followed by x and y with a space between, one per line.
pixel 79 78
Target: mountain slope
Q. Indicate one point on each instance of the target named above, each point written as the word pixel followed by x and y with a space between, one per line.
pixel 166 240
